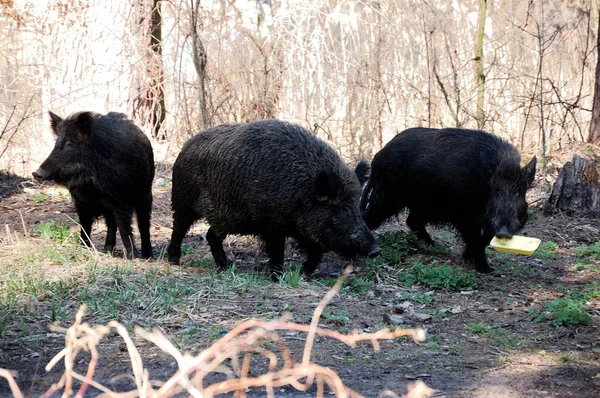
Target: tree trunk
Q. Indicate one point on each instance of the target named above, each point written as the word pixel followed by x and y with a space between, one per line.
pixel 540 37
pixel 199 57
pixel 576 190
pixel 594 136
pixel 480 115
pixel 160 110
pixel 147 102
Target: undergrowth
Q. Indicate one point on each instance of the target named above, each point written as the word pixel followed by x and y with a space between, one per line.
pixel 497 336
pixel 58 232
pixel 588 252
pixel 546 251
pixel 570 310
pixel 436 276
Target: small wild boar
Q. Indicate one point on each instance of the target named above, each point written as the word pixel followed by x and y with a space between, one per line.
pixel 107 164
pixel 468 179
pixel 270 179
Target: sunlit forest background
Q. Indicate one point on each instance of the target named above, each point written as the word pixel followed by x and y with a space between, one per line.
pixel 353 72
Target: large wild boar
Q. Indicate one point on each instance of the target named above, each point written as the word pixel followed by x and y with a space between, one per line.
pixel 270 179
pixel 468 179
pixel 107 164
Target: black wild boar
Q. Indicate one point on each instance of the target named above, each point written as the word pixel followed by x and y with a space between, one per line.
pixel 270 179
pixel 107 164
pixel 468 179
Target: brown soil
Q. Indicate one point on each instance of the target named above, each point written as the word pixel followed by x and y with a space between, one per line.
pixel 461 364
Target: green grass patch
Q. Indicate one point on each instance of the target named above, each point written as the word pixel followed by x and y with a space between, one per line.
pixel 200 262
pixel 187 249
pixel 265 309
pixel 353 285
pixel 439 276
pixel 531 213
pixel 339 317
pixel 499 257
pixel 57 232
pixel 478 328
pixel 569 310
pixel 396 246
pixel 588 252
pixel 39 197
pixel 546 251
pixel 560 358
pixel 232 281
pixel 498 337
pixel 584 266
pixel 291 277
pixel 433 342
pixel 43 282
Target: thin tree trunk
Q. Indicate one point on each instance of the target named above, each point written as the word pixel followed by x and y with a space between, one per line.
pixel 594 136
pixel 147 104
pixel 480 115
pixel 200 59
pixel 427 35
pixel 541 96
pixel 160 109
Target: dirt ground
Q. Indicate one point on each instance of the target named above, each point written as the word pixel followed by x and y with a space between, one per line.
pixel 525 358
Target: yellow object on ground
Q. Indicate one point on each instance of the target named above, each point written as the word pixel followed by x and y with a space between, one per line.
pixel 517 244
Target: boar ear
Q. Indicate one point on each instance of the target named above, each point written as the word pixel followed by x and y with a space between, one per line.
pixel 54 122
pixel 326 185
pixel 83 125
pixel 363 171
pixel 529 171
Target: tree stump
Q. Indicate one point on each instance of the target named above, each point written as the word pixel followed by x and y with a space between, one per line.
pixel 576 190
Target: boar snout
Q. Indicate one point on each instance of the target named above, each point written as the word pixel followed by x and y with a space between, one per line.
pixel 504 233
pixel 40 175
pixel 375 251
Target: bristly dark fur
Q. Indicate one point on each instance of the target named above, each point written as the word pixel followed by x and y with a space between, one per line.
pixel 363 171
pixel 468 179
pixel 271 179
pixel 107 164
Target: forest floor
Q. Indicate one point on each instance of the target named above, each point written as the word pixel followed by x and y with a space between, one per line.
pixel 529 329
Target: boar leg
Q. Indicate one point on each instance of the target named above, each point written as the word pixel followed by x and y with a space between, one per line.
pixel 313 258
pixel 475 248
pixel 86 218
pixel 417 224
pixel 215 241
pixel 143 211
pixel 275 248
pixel 123 219
pixel 181 224
pixel 313 255
pixel 111 232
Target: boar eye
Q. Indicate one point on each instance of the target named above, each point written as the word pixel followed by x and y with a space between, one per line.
pixel 68 144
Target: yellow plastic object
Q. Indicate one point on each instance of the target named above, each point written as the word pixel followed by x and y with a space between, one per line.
pixel 518 244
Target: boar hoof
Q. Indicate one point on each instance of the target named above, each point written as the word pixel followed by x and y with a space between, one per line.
pixel 484 269
pixel 147 253
pixel 173 259
pixel 110 249
pixel 221 261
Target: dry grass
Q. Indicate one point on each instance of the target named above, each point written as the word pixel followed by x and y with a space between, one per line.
pixel 238 346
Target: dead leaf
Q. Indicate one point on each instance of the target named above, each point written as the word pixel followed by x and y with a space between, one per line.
pixel 393 319
pixel 420 316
